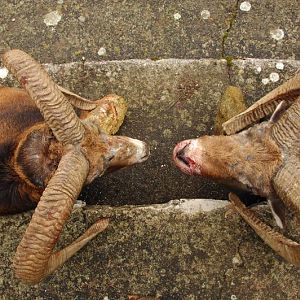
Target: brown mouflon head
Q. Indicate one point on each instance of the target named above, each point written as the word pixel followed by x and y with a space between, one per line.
pixel 199 157
pixel 107 153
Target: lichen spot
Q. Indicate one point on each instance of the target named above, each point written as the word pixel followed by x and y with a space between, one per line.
pixel 265 81
pixel 177 16
pixel 102 51
pixel 277 34
pixel 52 18
pixel 257 70
pixel 245 6
pixel 279 66
pixel 3 73
pixel 205 14
pixel 274 77
pixel 167 133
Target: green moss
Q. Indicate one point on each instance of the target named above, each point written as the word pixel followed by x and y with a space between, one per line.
pixel 229 60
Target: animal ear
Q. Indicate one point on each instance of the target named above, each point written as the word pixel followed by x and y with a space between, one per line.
pixel 76 100
pixel 34 258
pixel 285 247
pixel 56 109
pixel 288 91
pixel 286 184
pixel 109 113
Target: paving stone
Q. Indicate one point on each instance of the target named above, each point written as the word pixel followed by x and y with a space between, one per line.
pixel 185 249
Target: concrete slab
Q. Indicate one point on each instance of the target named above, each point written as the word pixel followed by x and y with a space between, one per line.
pixel 178 250
pixel 169 101
pixel 64 31
pixel 265 29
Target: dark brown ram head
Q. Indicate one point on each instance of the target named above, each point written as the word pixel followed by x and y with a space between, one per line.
pixel 52 161
pixel 263 159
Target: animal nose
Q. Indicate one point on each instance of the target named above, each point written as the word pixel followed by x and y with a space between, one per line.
pixel 180 150
pixel 181 155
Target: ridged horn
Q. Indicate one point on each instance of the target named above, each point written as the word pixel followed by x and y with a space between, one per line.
pixel 286 184
pixel 55 108
pixel 288 249
pixel 288 91
pixel 286 131
pixel 34 258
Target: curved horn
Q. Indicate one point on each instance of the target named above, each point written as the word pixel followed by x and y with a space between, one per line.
pixel 286 130
pixel 34 258
pixel 287 248
pixel 57 111
pixel 288 91
pixel 286 183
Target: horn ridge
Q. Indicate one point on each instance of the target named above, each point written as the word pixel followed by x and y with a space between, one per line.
pixel 57 111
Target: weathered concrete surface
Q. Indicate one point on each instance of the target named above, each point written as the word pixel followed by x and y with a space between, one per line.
pixel 125 29
pixel 169 101
pixel 270 29
pixel 150 29
pixel 179 250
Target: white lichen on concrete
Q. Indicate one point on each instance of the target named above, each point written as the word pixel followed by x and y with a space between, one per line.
pixel 102 51
pixel 245 6
pixel 3 73
pixel 274 77
pixel 52 18
pixel 177 16
pixel 205 14
pixel 277 34
pixel 279 66
pixel 257 70
pixel 265 81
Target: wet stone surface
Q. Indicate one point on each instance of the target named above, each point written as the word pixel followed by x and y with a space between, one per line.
pixel 179 250
pixel 169 101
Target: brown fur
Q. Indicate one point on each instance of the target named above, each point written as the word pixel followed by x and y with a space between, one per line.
pixel 29 153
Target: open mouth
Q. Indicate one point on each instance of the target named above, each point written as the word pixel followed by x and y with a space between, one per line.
pixel 183 162
pixel 180 155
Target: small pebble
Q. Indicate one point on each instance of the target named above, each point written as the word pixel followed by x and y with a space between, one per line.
pixel 3 73
pixel 205 14
pixel 81 19
pixel 265 81
pixel 52 18
pixel 277 34
pixel 233 297
pixel 177 16
pixel 274 77
pixel 13 19
pixel 79 204
pixel 279 66
pixel 101 51
pixel 245 6
pixel 60 1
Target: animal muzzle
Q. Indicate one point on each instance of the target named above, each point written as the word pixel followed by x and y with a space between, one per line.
pixel 183 156
pixel 126 151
